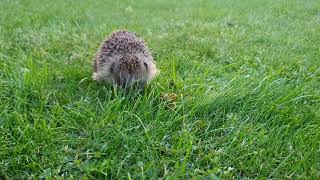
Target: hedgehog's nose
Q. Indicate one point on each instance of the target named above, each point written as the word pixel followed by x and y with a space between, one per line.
pixel 126 82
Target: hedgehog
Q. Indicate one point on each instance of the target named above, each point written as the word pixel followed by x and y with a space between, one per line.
pixel 124 59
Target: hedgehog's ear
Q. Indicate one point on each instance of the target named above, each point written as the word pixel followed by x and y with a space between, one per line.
pixel 145 65
pixel 111 69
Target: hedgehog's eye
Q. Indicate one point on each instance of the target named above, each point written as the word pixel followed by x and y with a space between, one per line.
pixel 145 65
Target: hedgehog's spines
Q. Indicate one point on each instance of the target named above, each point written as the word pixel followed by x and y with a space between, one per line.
pixel 124 56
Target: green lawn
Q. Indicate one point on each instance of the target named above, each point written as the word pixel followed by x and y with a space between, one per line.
pixel 246 73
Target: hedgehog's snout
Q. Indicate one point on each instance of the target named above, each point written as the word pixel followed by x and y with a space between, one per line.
pixel 131 80
pixel 126 74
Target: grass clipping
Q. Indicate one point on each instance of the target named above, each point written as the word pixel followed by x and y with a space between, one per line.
pixel 169 100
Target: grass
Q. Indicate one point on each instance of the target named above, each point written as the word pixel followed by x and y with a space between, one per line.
pixel 246 74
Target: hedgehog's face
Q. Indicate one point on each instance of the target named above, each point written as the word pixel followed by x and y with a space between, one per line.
pixel 129 70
